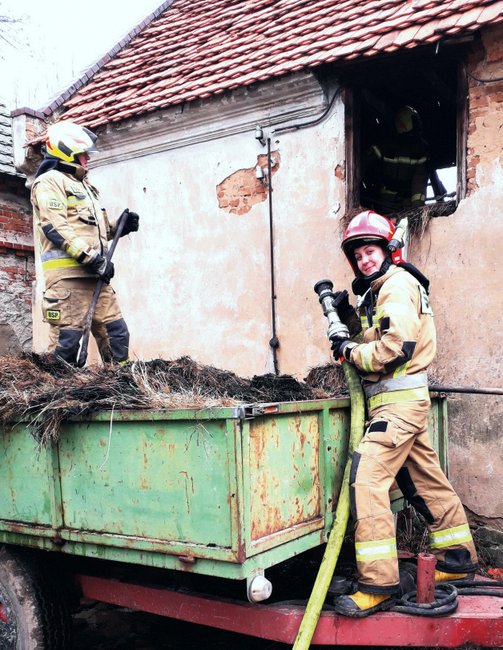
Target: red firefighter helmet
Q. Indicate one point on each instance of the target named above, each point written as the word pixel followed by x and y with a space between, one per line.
pixel 366 228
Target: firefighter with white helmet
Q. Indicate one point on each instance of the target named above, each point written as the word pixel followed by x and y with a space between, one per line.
pixel 72 231
pixel 392 351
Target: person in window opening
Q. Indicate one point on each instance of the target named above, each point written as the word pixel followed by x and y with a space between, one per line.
pixel 396 169
pixel 393 343
pixel 72 230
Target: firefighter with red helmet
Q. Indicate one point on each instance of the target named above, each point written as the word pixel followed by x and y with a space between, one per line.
pixel 392 351
pixel 72 231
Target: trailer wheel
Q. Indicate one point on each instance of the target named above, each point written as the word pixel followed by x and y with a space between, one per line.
pixel 32 616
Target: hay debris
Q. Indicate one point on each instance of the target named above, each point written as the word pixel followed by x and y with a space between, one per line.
pixel 328 380
pixel 418 217
pixel 45 392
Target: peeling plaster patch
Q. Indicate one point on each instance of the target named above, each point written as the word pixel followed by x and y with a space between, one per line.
pixel 339 172
pixel 240 191
pixel 490 175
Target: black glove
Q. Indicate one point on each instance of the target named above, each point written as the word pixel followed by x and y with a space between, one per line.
pixel 102 267
pixel 341 347
pixel 132 223
pixel 341 303
pixel 347 313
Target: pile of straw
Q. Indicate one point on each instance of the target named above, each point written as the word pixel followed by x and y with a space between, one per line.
pixel 45 392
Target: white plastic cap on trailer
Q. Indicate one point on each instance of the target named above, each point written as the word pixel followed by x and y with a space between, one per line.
pixel 259 588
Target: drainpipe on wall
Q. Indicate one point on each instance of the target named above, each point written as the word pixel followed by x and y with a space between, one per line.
pixel 259 136
pixel 274 342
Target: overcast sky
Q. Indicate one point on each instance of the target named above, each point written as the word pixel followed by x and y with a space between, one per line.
pixel 54 40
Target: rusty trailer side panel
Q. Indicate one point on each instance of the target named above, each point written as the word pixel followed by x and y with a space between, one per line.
pixel 226 492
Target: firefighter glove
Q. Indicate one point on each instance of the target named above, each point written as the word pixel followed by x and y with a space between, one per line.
pixel 132 223
pixel 342 347
pixel 344 309
pixel 102 267
pixel 347 313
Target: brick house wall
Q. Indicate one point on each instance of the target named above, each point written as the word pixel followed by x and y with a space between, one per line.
pixel 462 256
pixel 485 101
pixel 17 270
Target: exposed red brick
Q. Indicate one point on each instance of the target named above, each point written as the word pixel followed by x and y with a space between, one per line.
pixel 340 172
pixel 240 191
pixel 494 56
pixel 485 101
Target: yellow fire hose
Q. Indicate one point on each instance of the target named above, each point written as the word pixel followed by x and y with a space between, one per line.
pixel 336 537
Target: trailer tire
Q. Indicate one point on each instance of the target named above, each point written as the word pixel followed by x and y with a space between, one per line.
pixel 33 616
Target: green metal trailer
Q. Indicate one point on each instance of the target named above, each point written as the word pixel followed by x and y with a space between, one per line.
pixel 222 492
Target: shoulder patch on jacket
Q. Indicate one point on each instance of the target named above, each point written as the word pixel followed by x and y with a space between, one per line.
pixel 54 204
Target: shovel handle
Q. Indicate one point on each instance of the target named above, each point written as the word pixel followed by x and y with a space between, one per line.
pixel 82 358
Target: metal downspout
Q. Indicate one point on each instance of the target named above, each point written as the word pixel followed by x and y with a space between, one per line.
pixel 274 342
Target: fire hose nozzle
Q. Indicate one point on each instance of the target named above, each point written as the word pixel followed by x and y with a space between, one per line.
pixel 336 328
pixel 399 236
pixel 394 245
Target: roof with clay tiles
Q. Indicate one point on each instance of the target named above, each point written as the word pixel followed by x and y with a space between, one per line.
pixel 193 49
pixel 6 145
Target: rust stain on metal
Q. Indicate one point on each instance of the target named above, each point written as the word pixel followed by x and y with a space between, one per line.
pixel 188 483
pixel 144 482
pixel 282 457
pixel 270 523
pixel 297 423
pixel 241 552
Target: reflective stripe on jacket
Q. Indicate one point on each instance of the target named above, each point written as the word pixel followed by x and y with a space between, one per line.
pixel 399 344
pixel 70 225
pixel 396 171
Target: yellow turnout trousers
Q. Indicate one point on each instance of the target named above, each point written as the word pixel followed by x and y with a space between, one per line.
pixel 65 305
pixel 396 446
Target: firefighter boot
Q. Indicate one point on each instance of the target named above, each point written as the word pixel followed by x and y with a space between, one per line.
pixel 360 604
pixel 442 576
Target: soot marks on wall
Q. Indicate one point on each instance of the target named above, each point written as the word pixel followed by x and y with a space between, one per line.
pixel 243 189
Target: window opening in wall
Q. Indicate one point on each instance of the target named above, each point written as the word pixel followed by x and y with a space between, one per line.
pixel 404 135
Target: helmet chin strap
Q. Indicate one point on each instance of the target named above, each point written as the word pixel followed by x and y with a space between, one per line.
pixel 362 283
pixel 51 162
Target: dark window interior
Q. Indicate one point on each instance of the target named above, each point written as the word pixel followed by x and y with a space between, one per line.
pixel 432 91
pixel 431 83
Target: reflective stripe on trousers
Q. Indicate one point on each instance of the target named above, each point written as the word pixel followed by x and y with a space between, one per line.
pixel 376 550
pixel 450 536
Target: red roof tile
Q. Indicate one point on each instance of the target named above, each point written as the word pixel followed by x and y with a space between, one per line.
pixel 190 49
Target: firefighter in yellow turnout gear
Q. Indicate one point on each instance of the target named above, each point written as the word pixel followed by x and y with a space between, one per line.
pixel 72 231
pixel 392 345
